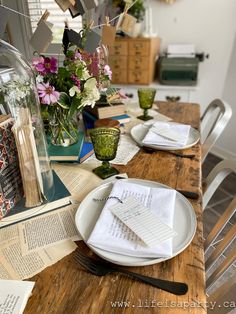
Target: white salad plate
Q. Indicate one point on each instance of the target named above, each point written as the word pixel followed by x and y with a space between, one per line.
pixel 139 131
pixel 89 211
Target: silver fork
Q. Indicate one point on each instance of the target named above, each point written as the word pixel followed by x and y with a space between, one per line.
pixel 100 268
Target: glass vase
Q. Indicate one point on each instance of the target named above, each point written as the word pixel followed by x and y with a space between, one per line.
pixel 63 128
pixel 19 101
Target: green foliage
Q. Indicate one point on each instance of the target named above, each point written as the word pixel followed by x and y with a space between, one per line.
pixel 137 10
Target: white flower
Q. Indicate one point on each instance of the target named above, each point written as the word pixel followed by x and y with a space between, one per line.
pixel 90 84
pixel 74 90
pixel 39 79
pixel 90 93
pixel 85 74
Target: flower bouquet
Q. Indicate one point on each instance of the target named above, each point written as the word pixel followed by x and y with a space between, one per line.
pixel 65 90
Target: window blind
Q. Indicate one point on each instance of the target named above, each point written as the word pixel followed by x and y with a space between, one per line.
pixel 57 17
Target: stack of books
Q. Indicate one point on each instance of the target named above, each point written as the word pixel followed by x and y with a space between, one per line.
pixel 77 152
pixel 13 207
pixel 60 198
pixel 115 111
pixel 11 186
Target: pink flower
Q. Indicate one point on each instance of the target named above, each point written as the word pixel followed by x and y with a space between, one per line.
pixel 45 65
pixel 50 65
pixel 38 64
pixel 47 94
pixel 107 71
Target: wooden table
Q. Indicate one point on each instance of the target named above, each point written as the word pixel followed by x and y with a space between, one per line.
pixel 67 288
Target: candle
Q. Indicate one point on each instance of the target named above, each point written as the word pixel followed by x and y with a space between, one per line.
pixel 146 21
pixel 150 21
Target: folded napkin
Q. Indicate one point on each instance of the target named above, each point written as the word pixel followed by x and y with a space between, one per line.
pixel 112 235
pixel 167 134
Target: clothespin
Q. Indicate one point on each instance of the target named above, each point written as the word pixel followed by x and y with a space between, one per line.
pixel 126 8
pixel 44 17
pixel 90 24
pixel 107 20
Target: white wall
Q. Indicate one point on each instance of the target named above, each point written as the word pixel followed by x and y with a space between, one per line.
pixel 227 141
pixel 211 26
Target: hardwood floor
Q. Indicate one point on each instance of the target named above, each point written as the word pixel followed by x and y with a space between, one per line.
pixel 216 207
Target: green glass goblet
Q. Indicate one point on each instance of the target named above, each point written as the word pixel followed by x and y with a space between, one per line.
pixel 146 98
pixel 105 141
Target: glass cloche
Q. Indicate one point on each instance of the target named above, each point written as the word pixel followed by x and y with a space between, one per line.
pixel 19 105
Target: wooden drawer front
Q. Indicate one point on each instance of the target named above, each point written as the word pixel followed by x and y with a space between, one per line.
pixel 139 77
pixel 139 63
pixel 140 48
pixel 118 62
pixel 120 48
pixel 119 76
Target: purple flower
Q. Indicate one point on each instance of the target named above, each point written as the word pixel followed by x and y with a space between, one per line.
pixel 76 80
pixel 107 71
pixel 50 65
pixel 45 65
pixel 47 94
pixel 38 64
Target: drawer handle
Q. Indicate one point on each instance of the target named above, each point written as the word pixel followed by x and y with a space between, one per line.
pixel 131 95
pixel 173 98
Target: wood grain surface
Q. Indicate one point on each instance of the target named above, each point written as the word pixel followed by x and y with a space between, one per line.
pixel 67 288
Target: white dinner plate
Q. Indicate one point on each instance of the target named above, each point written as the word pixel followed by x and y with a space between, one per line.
pixel 89 210
pixel 139 131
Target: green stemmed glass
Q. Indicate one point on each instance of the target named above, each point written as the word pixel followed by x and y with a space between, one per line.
pixel 105 141
pixel 146 98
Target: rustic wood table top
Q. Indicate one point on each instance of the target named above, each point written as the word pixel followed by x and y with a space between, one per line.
pixel 66 287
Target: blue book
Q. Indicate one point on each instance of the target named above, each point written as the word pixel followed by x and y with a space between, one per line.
pixel 89 119
pixel 68 153
pixel 60 197
pixel 86 152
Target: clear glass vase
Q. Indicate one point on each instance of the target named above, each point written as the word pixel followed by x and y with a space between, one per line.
pixel 63 128
pixel 19 100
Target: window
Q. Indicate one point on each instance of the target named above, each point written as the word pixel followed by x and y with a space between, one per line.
pixel 57 17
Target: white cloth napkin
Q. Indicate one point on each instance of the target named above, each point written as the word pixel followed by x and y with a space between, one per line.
pixel 112 235
pixel 167 134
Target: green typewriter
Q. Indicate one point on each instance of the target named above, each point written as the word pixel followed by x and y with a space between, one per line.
pixel 177 71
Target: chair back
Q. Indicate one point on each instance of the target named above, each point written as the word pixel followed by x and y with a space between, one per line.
pixel 216 263
pixel 213 123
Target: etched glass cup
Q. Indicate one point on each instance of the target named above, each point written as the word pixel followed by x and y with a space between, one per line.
pixel 105 141
pixel 146 98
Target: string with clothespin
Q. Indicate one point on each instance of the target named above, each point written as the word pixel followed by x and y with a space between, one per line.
pixel 93 27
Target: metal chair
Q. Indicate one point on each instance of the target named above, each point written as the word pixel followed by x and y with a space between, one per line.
pixel 213 123
pixel 217 263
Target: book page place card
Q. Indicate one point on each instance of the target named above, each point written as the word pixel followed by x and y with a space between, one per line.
pixel 146 225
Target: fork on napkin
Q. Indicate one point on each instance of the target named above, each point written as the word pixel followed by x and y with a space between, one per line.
pixel 167 134
pixel 113 235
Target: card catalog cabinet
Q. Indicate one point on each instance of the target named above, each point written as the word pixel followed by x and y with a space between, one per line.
pixel 132 60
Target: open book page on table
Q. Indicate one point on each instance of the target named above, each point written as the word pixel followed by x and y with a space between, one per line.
pixel 14 295
pixel 60 198
pixel 52 228
pixel 14 265
pixel 77 180
pixel 112 235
